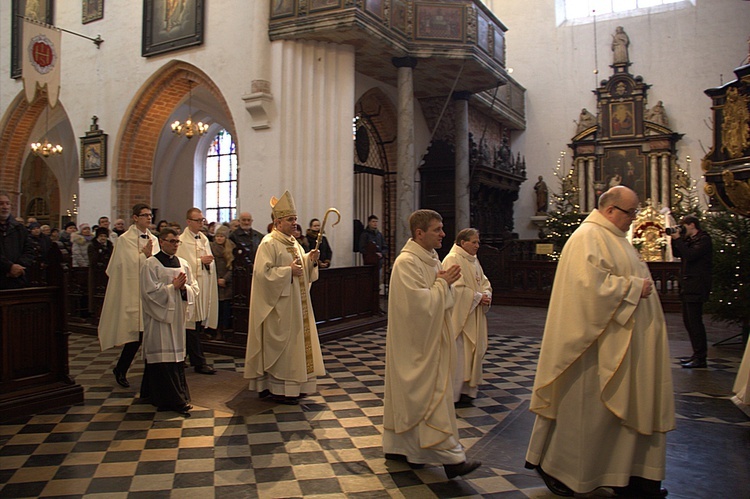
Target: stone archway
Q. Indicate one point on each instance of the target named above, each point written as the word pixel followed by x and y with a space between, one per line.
pixel 146 121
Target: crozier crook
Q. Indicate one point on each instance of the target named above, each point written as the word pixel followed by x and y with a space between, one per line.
pixel 323 224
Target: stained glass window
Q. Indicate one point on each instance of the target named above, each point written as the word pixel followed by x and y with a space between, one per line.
pixel 221 179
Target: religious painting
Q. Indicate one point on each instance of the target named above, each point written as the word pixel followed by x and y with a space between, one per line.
pixel 93 10
pixel 375 7
pixel 318 5
pixel 626 167
pixel 282 8
pixel 36 10
pixel 398 15
pixel 94 152
pixel 440 22
pixel 170 25
pixel 621 121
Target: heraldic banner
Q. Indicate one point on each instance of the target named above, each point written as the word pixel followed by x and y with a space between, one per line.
pixel 41 60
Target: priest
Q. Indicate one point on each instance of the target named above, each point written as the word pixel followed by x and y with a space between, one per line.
pixel 473 297
pixel 419 420
pixel 195 248
pixel 168 291
pixel 603 394
pixel 283 358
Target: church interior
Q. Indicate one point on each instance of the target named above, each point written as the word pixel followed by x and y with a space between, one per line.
pixel 493 113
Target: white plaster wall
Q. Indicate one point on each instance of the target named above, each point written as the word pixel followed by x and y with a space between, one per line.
pixel 680 53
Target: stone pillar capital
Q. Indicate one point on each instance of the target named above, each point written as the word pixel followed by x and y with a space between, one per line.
pixel 404 62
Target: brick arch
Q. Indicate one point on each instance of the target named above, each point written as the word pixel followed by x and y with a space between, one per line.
pixel 146 121
pixel 383 116
pixel 15 136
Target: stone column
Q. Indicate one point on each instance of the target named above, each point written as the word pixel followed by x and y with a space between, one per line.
pixel 583 194
pixel 462 191
pixel 591 198
pixel 406 161
pixel 653 171
pixel 666 181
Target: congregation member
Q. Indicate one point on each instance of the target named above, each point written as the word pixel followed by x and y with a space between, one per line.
pixel 100 249
pixel 168 293
pixel 16 251
pixel 472 296
pixel 119 228
pixel 196 250
pixel 40 241
pixel 104 222
pixel 121 319
pixel 603 395
pixel 326 253
pixel 283 358
pixel 222 249
pixel 372 243
pixel 419 419
pixel 301 238
pixel 245 237
pixel 80 242
pixel 694 247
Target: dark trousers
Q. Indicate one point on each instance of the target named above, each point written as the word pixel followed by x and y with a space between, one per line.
pixel 193 346
pixel 692 316
pixel 128 354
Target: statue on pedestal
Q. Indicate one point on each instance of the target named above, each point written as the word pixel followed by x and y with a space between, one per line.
pixel 620 43
pixel 542 196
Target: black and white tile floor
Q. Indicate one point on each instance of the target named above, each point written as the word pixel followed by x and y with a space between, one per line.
pixel 115 445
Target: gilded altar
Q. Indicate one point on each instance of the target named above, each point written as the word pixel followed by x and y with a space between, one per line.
pixel 649 236
pixel 727 164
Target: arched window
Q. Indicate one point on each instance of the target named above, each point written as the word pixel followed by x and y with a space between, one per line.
pixel 221 179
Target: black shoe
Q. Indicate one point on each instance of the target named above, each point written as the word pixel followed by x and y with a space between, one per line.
pixel 402 458
pixel 185 410
pixel 281 399
pixel 695 364
pixel 460 469
pixel 685 360
pixel 638 493
pixel 205 369
pixel 553 484
pixel 120 378
pixel 263 394
pixel 464 401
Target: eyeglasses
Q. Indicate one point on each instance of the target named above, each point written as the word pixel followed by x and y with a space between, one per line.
pixel 631 213
pixel 172 241
pixel 147 215
pixel 201 220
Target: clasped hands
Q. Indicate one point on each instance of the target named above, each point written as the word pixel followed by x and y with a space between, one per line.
pixel 179 281
pixel 451 274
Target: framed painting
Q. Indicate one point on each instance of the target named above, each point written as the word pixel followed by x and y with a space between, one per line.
pixel 94 152
pixel 38 10
pixel 621 121
pixel 170 25
pixel 93 10
pixel 626 166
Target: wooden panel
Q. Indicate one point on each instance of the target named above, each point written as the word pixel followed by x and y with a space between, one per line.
pixel 34 374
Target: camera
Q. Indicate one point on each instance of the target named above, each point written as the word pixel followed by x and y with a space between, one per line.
pixel 676 229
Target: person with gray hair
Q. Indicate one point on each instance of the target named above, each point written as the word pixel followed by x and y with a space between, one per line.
pixel 603 394
pixel 472 295
pixel 16 251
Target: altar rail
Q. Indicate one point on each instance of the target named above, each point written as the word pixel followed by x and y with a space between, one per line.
pixel 519 277
pixel 345 301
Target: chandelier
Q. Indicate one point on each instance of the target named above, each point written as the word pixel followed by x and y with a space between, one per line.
pixel 189 127
pixel 44 148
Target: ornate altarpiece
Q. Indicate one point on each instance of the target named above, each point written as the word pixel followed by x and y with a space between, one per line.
pixel 624 147
pixel 727 164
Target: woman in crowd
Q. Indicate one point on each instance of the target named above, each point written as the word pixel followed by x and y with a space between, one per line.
pixel 80 245
pixel 222 248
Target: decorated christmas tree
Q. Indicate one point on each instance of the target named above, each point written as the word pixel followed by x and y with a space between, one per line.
pixel 564 216
pixel 730 294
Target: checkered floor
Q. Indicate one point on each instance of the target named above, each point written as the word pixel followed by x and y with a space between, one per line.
pixel 115 445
